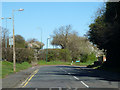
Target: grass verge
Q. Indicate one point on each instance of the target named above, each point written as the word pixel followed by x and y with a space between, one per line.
pixel 7 67
pixel 43 62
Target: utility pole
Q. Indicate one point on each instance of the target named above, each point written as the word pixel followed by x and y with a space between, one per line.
pixel 47 50
pixel 14 57
pixel 14 60
pixel 41 35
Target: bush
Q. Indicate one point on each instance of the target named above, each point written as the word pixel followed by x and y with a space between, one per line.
pixel 88 57
pixel 55 54
pixel 84 58
pixel 22 54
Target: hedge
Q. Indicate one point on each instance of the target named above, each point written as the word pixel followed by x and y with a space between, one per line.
pixel 22 54
pixel 55 54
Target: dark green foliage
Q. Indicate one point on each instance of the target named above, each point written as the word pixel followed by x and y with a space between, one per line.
pixel 84 58
pixel 64 55
pixel 19 41
pixel 92 57
pixel 22 55
pixel 88 57
pixel 105 33
pixel 55 54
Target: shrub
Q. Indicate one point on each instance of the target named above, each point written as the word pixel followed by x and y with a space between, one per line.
pixel 55 54
pixel 22 54
pixel 84 57
pixel 88 57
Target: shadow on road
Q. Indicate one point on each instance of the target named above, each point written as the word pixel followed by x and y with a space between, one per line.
pixel 89 72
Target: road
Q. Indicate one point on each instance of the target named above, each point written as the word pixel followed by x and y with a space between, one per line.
pixel 70 77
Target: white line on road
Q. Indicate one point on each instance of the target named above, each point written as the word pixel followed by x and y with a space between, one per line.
pixel 69 73
pixel 76 77
pixel 84 84
pixel 63 70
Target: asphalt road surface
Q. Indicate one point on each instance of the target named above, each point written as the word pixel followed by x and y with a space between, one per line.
pixel 70 77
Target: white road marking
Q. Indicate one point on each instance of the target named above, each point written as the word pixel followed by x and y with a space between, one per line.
pixel 84 84
pixel 76 77
pixel 63 70
pixel 69 73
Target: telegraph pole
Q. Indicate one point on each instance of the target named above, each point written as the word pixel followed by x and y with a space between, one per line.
pixel 14 59
pixel 47 50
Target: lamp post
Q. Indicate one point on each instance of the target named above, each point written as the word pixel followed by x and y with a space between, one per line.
pixel 41 34
pixel 14 59
pixel 6 28
pixel 47 49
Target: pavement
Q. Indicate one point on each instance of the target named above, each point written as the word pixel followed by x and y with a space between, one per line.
pixel 62 77
pixel 14 79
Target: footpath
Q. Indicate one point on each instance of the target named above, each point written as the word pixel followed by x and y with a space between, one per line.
pixel 13 80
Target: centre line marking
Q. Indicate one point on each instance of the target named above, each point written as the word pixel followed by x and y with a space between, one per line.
pixel 84 84
pixel 76 77
pixel 28 79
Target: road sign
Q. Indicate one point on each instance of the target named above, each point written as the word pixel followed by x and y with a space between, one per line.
pixel 10 41
pixel 77 61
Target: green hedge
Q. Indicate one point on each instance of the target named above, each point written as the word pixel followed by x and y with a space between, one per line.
pixel 88 57
pixel 22 54
pixel 55 54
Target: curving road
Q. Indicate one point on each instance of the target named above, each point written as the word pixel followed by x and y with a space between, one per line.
pixel 70 77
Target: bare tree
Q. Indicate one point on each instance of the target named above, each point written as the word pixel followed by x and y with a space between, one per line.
pixel 60 36
pixel 34 43
pixel 67 39
pixel 5 36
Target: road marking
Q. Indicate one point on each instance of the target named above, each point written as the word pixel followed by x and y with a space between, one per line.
pixel 76 77
pixel 84 84
pixel 63 70
pixel 69 73
pixel 29 78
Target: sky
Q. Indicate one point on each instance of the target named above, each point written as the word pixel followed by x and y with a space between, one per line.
pixel 42 18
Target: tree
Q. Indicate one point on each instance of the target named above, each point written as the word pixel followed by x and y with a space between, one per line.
pixel 19 41
pixel 70 40
pixel 60 36
pixel 5 37
pixel 35 44
pixel 105 32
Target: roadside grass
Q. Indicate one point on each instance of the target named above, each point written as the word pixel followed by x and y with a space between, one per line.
pixel 7 67
pixel 42 62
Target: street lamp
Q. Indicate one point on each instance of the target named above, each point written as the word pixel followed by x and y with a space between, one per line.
pixel 41 33
pixel 14 60
pixel 6 28
pixel 47 49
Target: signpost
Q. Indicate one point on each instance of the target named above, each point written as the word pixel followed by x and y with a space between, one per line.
pixel 10 41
